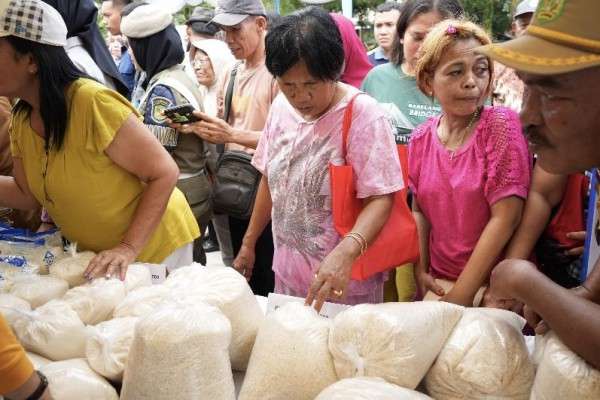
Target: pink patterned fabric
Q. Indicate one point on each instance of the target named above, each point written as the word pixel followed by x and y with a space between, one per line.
pixel 295 154
pixel 455 190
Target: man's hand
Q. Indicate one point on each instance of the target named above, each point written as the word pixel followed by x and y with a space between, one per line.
pixel 579 237
pixel 211 129
pixel 506 277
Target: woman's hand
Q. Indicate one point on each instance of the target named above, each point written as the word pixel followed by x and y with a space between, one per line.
pixel 425 283
pixel 333 274
pixel 244 261
pixel 458 297
pixel 109 263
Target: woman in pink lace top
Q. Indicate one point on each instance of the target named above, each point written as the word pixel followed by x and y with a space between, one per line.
pixel 469 168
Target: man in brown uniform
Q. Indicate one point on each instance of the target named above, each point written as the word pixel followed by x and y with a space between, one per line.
pixel 558 59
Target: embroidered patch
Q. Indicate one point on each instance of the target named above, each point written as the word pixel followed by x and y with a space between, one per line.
pixel 549 10
pixel 158 105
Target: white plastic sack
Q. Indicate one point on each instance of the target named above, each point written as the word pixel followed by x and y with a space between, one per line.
pixel 290 359
pixel 11 306
pixel 108 346
pixel 75 380
pixel 180 353
pixel 95 302
pixel 142 301
pixel 484 357
pixel 53 330
pixel 394 341
pixel 226 289
pixel 72 267
pixel 368 389
pixel 38 290
pixel 562 374
pixel 137 276
pixel 37 361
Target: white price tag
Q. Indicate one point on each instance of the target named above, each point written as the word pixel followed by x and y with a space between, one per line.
pixel 329 310
pixel 158 271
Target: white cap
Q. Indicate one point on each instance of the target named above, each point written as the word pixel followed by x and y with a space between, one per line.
pixel 32 20
pixel 526 7
pixel 145 20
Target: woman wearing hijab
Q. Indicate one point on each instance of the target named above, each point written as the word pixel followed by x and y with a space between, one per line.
pixel 211 60
pixel 356 62
pixel 85 45
pixel 158 51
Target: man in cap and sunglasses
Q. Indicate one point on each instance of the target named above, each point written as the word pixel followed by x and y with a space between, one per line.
pixel 558 59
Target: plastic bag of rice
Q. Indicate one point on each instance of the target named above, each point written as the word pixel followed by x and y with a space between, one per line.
pixel 562 374
pixel 72 267
pixel 137 276
pixel 108 346
pixel 180 353
pixel 95 302
pixel 226 289
pixel 290 359
pixel 484 357
pixel 368 389
pixel 37 361
pixel 394 341
pixel 75 380
pixel 142 301
pixel 11 306
pixel 38 290
pixel 53 330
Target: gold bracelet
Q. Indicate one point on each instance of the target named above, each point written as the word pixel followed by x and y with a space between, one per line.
pixel 358 239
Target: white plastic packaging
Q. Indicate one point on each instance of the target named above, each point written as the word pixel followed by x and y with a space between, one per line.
pixel 229 291
pixel 108 346
pixel 562 374
pixel 394 341
pixel 38 290
pixel 180 353
pixel 368 389
pixel 72 267
pixel 137 276
pixel 75 380
pixel 53 330
pixel 484 357
pixel 290 359
pixel 95 302
pixel 37 361
pixel 142 301
pixel 11 306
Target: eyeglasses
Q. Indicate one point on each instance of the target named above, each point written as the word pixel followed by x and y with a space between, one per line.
pixel 201 63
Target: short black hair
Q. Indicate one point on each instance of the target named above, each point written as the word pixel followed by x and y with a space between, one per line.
pixel 411 10
pixel 308 35
pixel 388 6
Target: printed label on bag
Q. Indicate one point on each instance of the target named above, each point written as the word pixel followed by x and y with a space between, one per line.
pixel 329 310
pixel 158 272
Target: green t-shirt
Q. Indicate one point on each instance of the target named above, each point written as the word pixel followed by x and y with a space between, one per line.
pixel 399 95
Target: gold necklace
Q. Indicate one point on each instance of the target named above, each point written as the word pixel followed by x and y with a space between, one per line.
pixel 463 133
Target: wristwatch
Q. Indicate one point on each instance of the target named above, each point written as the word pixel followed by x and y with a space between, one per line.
pixel 41 387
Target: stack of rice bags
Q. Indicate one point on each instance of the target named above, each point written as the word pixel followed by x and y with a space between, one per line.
pixel 484 357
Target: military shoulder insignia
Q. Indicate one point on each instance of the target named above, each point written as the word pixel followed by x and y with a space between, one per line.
pixel 158 105
pixel 549 10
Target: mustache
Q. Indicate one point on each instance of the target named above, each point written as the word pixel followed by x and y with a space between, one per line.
pixel 532 135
